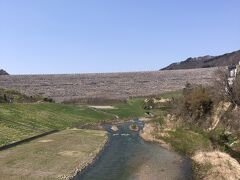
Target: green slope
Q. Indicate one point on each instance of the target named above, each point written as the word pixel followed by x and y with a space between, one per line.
pixel 22 120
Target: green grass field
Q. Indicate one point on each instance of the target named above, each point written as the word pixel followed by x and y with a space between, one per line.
pixel 132 109
pixel 171 94
pixel 23 120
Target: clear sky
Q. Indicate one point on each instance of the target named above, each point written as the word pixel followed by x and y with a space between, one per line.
pixel 77 36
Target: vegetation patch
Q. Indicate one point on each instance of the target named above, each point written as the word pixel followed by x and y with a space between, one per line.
pixel 134 127
pixel 201 170
pixel 187 141
pixel 10 96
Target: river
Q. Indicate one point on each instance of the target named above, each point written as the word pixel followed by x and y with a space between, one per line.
pixel 128 157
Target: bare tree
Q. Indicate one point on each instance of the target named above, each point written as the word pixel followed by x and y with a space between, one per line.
pixel 223 89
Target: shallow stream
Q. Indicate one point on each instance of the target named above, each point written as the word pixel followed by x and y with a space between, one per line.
pixel 128 157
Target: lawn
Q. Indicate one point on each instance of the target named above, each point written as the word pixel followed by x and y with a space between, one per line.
pixel 22 120
pixel 19 121
pixel 132 109
pixel 53 156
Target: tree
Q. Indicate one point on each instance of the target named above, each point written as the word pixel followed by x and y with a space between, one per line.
pixel 5 98
pixel 224 90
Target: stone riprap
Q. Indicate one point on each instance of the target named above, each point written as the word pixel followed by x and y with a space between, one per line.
pixel 106 85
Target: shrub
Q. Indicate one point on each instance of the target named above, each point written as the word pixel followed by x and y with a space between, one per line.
pixel 48 100
pixel 195 104
pixel 134 126
pixel 11 96
pixel 149 104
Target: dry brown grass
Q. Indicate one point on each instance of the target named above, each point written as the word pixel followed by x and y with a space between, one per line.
pixel 221 165
pixel 148 135
pixel 55 156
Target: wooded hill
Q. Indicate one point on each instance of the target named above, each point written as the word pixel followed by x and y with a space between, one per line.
pixel 3 72
pixel 206 61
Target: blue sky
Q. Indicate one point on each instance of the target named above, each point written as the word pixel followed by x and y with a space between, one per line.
pixel 78 36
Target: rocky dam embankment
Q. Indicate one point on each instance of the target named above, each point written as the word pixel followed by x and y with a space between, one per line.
pixel 67 87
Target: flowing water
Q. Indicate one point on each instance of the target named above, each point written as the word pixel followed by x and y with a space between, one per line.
pixel 128 157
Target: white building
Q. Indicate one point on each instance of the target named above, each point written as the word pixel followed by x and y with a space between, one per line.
pixel 232 73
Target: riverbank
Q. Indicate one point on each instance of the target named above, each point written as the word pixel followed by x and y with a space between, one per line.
pixel 147 135
pixel 210 138
pixel 57 156
pixel 208 164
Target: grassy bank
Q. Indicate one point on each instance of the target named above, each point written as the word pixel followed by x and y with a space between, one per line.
pixel 187 141
pixel 211 150
pixel 22 120
pixel 55 156
pixel 184 137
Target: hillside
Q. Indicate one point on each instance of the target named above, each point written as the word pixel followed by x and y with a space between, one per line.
pixel 206 61
pixel 3 72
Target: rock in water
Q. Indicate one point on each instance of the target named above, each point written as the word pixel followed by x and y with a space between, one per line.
pixel 134 127
pixel 114 128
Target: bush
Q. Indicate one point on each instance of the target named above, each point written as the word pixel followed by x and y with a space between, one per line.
pixel 195 104
pixel 48 100
pixel 149 104
pixel 134 126
pixel 13 96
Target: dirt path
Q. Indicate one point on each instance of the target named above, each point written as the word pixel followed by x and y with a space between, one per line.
pixel 103 107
